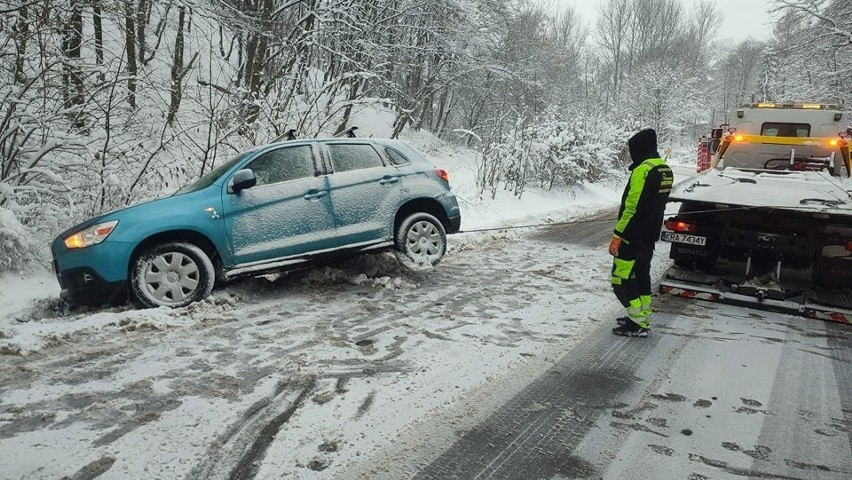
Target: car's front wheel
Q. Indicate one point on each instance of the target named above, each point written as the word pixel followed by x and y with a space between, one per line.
pixel 421 241
pixel 171 275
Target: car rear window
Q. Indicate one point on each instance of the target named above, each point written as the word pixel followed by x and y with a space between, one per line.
pixel 283 164
pixel 346 157
pixel 775 129
pixel 396 156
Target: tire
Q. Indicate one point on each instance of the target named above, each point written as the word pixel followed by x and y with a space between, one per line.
pixel 420 241
pixel 171 275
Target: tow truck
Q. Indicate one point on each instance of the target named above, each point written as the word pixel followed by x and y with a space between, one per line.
pixel 768 223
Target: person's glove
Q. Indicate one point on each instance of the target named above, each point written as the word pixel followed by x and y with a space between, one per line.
pixel 614 245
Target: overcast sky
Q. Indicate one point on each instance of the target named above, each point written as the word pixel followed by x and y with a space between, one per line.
pixel 743 18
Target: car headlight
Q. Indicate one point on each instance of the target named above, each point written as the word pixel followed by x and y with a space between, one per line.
pixel 91 236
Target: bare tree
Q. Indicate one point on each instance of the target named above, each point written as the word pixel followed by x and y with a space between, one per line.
pixel 613 31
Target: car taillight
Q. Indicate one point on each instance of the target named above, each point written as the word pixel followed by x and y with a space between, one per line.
pixel 443 174
pixel 678 226
pixel 849 246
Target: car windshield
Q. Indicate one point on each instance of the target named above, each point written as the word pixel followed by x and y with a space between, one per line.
pixel 208 178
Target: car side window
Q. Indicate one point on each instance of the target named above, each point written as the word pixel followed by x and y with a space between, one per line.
pixel 283 164
pixel 396 157
pixel 346 157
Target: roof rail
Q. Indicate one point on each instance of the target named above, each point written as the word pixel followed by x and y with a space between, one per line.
pixel 348 133
pixel 288 135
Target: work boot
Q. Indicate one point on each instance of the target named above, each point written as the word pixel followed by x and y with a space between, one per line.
pixel 625 319
pixel 630 329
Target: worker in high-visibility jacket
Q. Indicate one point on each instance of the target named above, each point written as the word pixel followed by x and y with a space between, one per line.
pixel 639 219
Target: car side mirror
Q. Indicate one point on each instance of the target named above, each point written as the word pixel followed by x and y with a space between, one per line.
pixel 242 180
pixel 716 133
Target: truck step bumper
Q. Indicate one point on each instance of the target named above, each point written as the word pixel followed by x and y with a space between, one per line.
pixel 831 306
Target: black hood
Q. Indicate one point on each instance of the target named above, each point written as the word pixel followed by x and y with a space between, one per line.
pixel 643 146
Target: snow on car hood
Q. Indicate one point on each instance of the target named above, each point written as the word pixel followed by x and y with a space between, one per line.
pixel 801 191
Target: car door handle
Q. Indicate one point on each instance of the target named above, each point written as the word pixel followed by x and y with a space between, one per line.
pixel 388 180
pixel 314 194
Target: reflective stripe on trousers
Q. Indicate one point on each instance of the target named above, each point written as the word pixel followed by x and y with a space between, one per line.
pixel 628 288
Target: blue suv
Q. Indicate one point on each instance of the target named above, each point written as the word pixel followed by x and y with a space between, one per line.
pixel 274 208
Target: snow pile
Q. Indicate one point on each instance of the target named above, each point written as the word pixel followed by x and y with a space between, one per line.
pixel 379 271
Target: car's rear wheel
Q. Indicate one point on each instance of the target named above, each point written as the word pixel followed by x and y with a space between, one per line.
pixel 421 241
pixel 171 275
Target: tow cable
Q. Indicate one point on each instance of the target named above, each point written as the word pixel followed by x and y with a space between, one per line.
pixel 595 220
pixel 539 225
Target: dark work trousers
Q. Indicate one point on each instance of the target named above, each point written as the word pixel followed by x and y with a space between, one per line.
pixel 631 281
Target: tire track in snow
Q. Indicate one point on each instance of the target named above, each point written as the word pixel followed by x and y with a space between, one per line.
pixel 237 454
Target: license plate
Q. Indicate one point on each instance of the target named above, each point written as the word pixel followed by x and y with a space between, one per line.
pixel 683 238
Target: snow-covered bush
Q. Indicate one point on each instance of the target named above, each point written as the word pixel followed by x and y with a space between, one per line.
pixel 15 246
pixel 553 153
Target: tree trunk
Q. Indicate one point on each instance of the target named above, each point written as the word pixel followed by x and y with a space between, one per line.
pixel 444 111
pixel 99 38
pixel 141 23
pixel 73 78
pixel 130 43
pixel 402 119
pixel 347 112
pixel 22 31
pixel 177 68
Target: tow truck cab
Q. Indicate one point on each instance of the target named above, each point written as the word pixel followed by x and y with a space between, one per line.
pixel 767 135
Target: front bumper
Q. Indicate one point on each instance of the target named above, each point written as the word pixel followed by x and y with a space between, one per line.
pixel 83 286
pixel 96 275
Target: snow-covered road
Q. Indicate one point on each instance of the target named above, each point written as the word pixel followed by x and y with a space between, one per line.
pixel 301 376
pixel 716 392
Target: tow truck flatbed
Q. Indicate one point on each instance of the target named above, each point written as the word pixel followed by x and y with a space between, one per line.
pixel 808 192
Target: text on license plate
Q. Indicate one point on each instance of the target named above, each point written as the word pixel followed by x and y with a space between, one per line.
pixel 683 238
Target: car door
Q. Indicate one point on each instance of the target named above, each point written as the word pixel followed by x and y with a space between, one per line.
pixel 288 212
pixel 365 192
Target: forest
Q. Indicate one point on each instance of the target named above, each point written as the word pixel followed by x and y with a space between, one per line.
pixel 106 103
